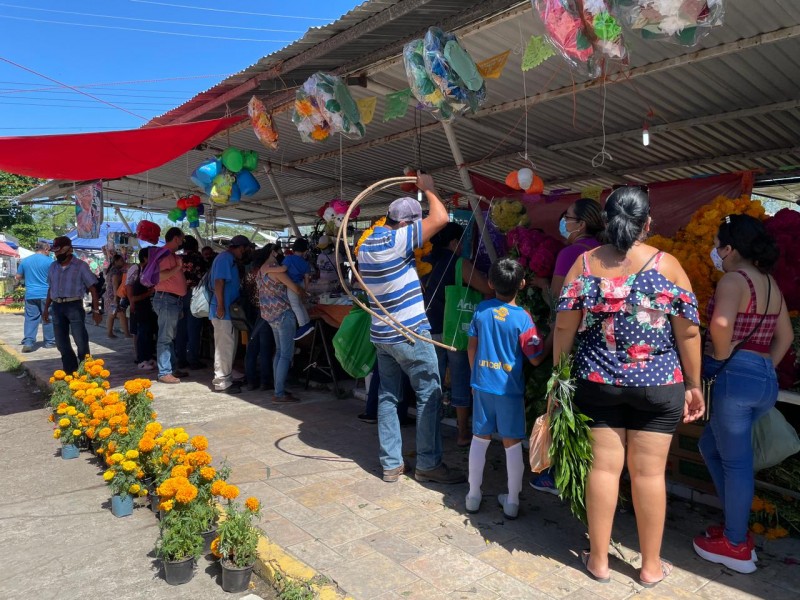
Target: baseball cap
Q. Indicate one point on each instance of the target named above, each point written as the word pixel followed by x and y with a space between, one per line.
pixel 60 242
pixel 405 209
pixel 323 242
pixel 238 240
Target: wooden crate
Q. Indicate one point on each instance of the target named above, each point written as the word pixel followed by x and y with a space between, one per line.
pixel 689 472
pixel 684 442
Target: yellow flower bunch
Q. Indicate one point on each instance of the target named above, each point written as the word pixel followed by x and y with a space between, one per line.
pixel 507 214
pixel 764 519
pixel 368 232
pixel 137 386
pixel 423 268
pixel 124 472
pixel 199 442
pixel 178 488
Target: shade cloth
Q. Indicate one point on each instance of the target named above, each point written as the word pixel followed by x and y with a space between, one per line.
pixel 104 155
pixel 672 203
pixel 6 250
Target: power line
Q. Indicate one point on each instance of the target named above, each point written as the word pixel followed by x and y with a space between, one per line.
pixel 191 35
pixel 125 110
pixel 4 91
pixel 236 12
pixel 57 128
pixel 80 14
pixel 157 110
pixel 58 100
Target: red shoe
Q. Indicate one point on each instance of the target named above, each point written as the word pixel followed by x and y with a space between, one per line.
pixel 716 531
pixel 720 550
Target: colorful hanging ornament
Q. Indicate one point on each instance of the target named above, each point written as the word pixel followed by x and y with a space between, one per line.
pixel 147 231
pixel 262 123
pixel 409 188
pixel 525 179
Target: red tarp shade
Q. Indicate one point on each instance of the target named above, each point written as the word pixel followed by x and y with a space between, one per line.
pixel 6 250
pixel 105 155
pixel 672 203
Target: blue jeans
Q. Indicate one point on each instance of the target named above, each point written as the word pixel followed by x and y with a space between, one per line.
pixel 259 355
pixel 418 361
pixel 33 316
pixel 145 320
pixel 371 409
pixel 67 317
pixel 187 338
pixel 460 374
pixel 168 308
pixel 743 392
pixel 283 331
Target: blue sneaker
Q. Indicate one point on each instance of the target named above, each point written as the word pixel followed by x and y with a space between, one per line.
pixel 303 331
pixel 544 482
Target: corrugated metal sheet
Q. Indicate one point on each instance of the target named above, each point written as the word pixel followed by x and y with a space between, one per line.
pixel 564 132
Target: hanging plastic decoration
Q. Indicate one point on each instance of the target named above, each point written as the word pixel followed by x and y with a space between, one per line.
pixel 506 214
pixel 228 177
pixel 526 180
pixel 422 86
pixel 324 105
pixel 147 231
pixel 409 188
pixel 584 38
pixel 262 123
pixel 333 213
pixel 683 22
pixel 187 207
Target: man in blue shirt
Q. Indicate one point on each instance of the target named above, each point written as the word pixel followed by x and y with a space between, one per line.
pixel 68 281
pixel 33 270
pixel 386 263
pixel 225 281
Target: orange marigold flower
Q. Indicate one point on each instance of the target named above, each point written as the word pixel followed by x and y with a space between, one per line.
pixel 112 445
pixel 186 493
pixel 230 492
pixel 757 528
pixel 215 548
pixel 179 471
pixel 208 473
pixel 217 487
pixel 252 504
pixel 106 385
pixel 59 374
pixel 199 442
pixel 104 433
pixel 199 458
pixel 146 444
pixel 104 373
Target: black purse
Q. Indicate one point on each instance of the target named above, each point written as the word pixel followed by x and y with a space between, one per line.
pixel 707 383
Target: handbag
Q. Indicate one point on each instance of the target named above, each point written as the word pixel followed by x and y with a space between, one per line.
pixel 460 302
pixel 707 383
pixel 352 346
pixel 540 440
pixel 239 317
pixel 774 440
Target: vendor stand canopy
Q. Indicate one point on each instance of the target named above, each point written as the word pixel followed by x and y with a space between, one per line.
pixel 730 104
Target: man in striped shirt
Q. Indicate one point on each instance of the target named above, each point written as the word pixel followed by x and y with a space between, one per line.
pixel 386 263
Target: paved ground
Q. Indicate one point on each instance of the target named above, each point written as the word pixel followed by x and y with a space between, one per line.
pixel 315 468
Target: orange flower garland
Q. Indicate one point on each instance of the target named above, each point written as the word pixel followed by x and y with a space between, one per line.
pixel 423 267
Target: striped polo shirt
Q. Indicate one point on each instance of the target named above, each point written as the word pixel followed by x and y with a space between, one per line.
pixel 386 263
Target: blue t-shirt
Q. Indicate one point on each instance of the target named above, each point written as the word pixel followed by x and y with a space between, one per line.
pixel 34 270
pixel 296 267
pixel 507 337
pixel 224 267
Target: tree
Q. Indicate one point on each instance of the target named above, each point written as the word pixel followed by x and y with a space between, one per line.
pixel 12 213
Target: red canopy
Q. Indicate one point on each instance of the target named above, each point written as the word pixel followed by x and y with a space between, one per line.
pixel 6 250
pixel 105 155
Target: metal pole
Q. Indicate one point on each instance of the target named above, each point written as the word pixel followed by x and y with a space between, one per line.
pixel 467 182
pixel 196 231
pixel 282 200
pixel 122 218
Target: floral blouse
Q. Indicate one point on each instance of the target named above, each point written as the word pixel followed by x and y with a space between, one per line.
pixel 625 337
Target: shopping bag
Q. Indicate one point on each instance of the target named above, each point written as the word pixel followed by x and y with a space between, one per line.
pixel 460 302
pixel 774 440
pixel 352 346
pixel 539 443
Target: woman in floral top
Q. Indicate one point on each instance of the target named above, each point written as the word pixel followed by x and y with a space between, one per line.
pixel 631 312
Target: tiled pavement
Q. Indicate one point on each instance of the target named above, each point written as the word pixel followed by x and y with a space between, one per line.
pixel 315 467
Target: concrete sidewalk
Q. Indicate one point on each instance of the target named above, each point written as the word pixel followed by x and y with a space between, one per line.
pixel 315 468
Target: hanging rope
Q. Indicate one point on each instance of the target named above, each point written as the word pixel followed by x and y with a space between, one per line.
pixel 599 159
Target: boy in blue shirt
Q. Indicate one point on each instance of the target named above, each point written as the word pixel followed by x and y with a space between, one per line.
pixel 299 271
pixel 501 336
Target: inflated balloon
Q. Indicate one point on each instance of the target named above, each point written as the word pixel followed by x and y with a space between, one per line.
pixel 205 173
pixel 409 188
pixel 248 184
pixel 221 188
pixel 182 204
pixel 236 193
pixel 175 215
pixel 525 178
pixel 250 161
pixel 536 187
pixel 192 214
pixel 512 180
pixel 232 159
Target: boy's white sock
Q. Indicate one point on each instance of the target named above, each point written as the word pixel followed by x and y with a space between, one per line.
pixel 477 460
pixel 515 468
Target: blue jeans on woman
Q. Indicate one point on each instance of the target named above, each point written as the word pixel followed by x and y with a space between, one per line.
pixel 744 391
pixel 283 330
pixel 418 361
pixel 259 356
pixel 187 337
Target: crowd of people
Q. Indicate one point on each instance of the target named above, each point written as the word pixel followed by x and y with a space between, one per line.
pixel 623 310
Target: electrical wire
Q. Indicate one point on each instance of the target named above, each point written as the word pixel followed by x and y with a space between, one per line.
pixel 191 35
pixel 9 92
pixel 50 99
pixel 120 18
pixel 118 83
pixel 237 12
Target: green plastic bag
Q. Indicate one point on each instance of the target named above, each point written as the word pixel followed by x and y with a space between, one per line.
pixel 774 440
pixel 352 345
pixel 460 302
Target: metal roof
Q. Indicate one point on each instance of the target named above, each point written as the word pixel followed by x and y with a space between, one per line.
pixel 732 103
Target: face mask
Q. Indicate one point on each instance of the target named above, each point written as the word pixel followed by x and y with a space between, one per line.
pixel 717 260
pixel 62 257
pixel 562 228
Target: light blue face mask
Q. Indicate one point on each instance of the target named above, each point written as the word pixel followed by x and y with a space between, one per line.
pixel 562 228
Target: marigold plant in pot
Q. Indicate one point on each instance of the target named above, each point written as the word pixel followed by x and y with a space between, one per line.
pixel 69 430
pixel 124 476
pixel 179 545
pixel 238 539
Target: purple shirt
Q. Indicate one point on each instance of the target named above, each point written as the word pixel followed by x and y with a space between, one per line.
pixel 567 257
pixel 70 281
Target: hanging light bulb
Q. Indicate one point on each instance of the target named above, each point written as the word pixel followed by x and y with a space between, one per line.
pixel 645 135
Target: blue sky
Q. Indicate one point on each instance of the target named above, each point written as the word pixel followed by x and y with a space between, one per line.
pixel 110 49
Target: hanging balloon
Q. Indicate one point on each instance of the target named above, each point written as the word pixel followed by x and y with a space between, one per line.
pixel 248 184
pixel 250 161
pixel 236 193
pixel 175 215
pixel 512 180
pixel 192 214
pixel 193 200
pixel 525 178
pixel 536 187
pixel 182 204
pixel 232 159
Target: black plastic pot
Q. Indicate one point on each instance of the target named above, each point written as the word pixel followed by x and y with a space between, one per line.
pixel 178 572
pixel 208 537
pixel 235 579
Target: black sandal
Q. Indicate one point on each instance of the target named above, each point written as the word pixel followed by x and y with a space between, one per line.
pixel 585 554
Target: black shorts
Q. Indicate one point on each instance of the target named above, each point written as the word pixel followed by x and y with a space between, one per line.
pixel 657 408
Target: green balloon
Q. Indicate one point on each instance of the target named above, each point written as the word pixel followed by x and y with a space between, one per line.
pixel 232 159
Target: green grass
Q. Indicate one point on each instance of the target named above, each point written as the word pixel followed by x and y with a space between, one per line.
pixel 292 590
pixel 8 363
